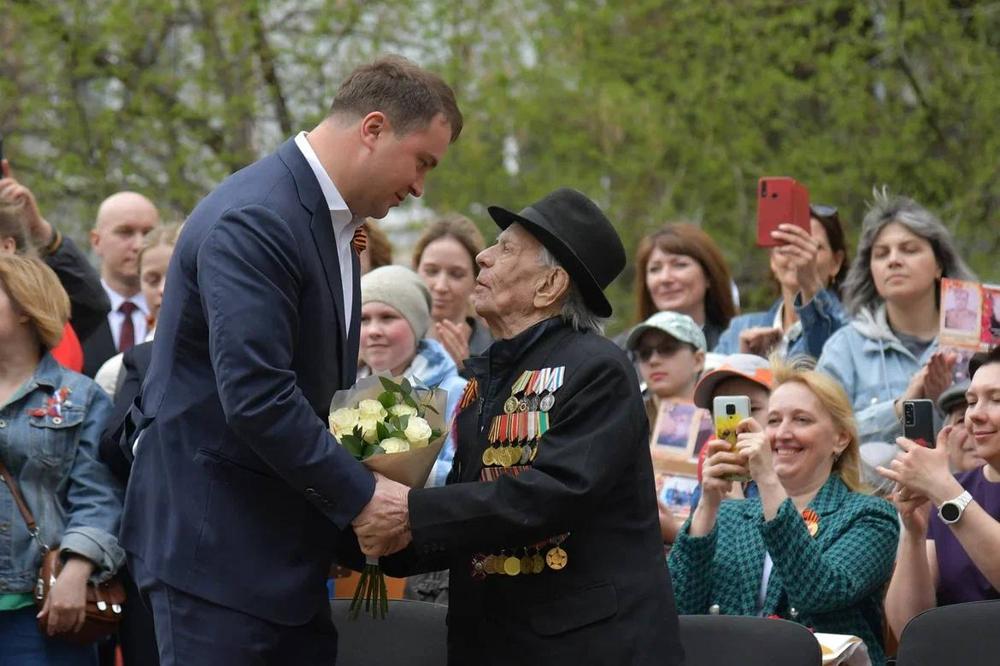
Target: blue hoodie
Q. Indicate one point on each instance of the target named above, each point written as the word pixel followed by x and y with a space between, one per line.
pixel 433 366
pixel 874 368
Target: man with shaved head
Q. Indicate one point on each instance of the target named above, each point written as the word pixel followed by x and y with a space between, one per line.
pixel 123 220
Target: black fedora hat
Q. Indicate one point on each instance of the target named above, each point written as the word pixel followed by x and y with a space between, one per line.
pixel 579 236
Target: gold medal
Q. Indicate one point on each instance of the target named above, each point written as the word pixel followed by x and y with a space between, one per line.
pixel 526 567
pixel 534 452
pixel 515 455
pixel 488 455
pixel 556 558
pixel 490 564
pixel 510 406
pixel 537 564
pixel 512 566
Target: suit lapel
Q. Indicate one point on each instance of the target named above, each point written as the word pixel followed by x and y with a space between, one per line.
pixel 322 232
pixel 350 362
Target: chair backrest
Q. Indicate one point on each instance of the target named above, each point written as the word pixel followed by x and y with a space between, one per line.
pixel 963 634
pixel 413 634
pixel 710 640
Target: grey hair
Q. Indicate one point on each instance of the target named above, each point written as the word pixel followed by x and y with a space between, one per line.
pixel 574 310
pixel 885 208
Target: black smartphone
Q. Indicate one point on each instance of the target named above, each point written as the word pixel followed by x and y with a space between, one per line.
pixel 918 421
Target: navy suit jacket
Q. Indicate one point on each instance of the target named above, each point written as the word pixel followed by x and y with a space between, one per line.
pixel 239 493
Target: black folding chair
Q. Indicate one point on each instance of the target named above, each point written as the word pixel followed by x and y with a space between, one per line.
pixel 710 640
pixel 965 634
pixel 413 634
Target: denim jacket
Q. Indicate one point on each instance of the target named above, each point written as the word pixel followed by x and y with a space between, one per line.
pixel 49 433
pixel 821 317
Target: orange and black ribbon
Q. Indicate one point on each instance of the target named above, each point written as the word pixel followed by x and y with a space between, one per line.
pixel 360 240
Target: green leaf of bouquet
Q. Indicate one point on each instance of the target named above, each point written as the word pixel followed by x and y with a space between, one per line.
pixel 411 402
pixel 387 399
pixel 431 408
pixel 406 386
pixel 398 434
pixel 382 430
pixel 390 385
pixel 353 445
pixel 371 450
pixel 404 420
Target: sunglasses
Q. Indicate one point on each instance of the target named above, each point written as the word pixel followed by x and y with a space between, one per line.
pixel 822 210
pixel 667 347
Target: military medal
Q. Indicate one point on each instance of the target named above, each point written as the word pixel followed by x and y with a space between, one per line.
pixel 510 406
pixel 512 566
pixel 547 402
pixel 490 564
pixel 488 456
pixel 537 563
pixel 556 558
pixel 526 567
pixel 478 568
pixel 811 519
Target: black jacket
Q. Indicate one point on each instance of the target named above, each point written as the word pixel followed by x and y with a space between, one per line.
pixel 89 304
pixel 591 478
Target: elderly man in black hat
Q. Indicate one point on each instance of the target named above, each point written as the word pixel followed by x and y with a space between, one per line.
pixel 548 523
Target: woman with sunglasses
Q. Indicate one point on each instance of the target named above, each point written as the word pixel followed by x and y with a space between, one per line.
pixel 809 267
pixel 670 350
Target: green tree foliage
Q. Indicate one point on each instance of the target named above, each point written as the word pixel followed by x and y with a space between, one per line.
pixel 659 110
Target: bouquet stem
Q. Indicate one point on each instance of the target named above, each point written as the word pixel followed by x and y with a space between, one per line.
pixel 370 592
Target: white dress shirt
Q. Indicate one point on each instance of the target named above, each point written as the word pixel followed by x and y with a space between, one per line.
pixel 115 318
pixel 344 224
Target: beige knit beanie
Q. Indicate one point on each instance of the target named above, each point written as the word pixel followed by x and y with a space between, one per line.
pixel 402 289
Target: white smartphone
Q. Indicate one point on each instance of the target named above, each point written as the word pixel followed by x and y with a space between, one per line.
pixel 727 412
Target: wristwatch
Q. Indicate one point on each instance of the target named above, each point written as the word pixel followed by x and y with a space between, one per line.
pixel 951 511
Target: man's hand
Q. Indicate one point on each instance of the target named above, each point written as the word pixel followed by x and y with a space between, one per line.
pixel 383 526
pixel 38 229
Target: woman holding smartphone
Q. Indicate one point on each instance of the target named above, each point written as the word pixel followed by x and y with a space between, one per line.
pixel 809 268
pixel 680 268
pixel 951 525
pixel 818 550
pixel 889 352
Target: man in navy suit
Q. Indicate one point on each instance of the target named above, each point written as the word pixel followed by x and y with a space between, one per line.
pixel 239 494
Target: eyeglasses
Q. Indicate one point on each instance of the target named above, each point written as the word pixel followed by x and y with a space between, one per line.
pixel 822 210
pixel 667 347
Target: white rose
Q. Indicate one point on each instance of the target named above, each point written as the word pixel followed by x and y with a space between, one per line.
pixel 394 445
pixel 342 421
pixel 369 429
pixel 371 410
pixel 402 410
pixel 418 432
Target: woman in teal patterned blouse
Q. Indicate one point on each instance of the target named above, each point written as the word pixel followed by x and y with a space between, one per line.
pixel 813 548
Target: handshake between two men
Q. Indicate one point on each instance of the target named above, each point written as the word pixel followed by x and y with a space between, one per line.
pixel 383 526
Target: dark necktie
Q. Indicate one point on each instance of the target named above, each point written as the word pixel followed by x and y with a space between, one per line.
pixel 126 337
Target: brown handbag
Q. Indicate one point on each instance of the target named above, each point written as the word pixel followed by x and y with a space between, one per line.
pixel 105 601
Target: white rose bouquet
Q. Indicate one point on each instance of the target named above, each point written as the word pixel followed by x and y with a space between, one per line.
pixel 394 429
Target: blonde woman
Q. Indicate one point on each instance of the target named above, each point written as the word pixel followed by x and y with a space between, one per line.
pixel 816 548
pixel 51 419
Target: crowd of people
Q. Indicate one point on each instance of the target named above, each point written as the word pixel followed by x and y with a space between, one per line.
pixel 823 513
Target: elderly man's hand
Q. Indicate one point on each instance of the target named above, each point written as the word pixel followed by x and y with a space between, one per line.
pixel 39 230
pixel 383 526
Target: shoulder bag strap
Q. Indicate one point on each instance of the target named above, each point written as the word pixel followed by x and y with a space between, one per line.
pixel 22 506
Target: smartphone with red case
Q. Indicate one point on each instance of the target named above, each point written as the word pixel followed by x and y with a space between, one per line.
pixel 780 200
